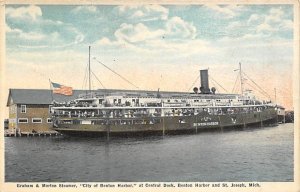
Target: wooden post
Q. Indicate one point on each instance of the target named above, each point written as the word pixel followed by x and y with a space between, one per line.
pixel 261 121
pixel 107 125
pixel 107 130
pixel 196 124
pixel 244 123
pixel 163 121
pixel 221 126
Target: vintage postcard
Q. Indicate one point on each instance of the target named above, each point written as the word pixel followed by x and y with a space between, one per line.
pixel 113 96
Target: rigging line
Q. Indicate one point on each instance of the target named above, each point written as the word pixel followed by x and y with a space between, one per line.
pixel 264 94
pixel 198 77
pixel 84 79
pixel 116 73
pixel 86 86
pixel 235 83
pixel 237 88
pixel 98 79
pixel 218 84
pixel 213 84
pixel 234 86
pixel 256 84
pixel 282 91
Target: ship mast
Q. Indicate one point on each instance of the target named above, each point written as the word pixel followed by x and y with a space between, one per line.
pixel 241 79
pixel 90 69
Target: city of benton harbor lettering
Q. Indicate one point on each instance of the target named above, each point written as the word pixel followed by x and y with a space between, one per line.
pixel 206 124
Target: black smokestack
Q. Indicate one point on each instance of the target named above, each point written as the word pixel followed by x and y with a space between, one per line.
pixel 204 81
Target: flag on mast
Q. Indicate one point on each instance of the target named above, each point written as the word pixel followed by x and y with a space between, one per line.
pixel 62 89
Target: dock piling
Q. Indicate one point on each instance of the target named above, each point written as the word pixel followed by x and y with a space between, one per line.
pixel 196 124
pixel 163 121
pixel 261 122
pixel 107 131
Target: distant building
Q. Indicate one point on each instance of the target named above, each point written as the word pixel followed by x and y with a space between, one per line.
pixel 281 114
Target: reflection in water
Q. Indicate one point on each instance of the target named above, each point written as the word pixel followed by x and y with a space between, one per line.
pixel 262 154
pixel 106 162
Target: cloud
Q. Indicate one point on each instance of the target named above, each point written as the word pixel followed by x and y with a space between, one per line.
pixel 265 27
pixel 49 41
pixel 160 46
pixel 31 12
pixel 143 12
pixel 38 32
pixel 88 9
pixel 18 33
pixel 275 15
pixel 270 24
pixel 177 27
pixel 228 11
pixel 253 18
pixel 236 25
pixel 136 33
pixel 8 29
pixel 176 36
pixel 287 24
pixel 274 22
pixel 138 13
pixel 37 40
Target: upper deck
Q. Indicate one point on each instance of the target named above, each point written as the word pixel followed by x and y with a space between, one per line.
pixel 149 100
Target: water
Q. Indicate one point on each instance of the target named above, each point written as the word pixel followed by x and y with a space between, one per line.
pixel 249 155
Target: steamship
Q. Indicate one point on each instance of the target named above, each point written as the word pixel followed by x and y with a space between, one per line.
pixel 101 113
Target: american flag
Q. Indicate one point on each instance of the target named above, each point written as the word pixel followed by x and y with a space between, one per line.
pixel 61 89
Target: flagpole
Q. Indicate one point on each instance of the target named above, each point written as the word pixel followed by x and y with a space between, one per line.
pixel 51 90
pixel 90 70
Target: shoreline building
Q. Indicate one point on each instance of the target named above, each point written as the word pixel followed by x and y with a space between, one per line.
pixel 29 109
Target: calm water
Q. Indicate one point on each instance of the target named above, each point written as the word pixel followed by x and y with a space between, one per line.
pixel 249 155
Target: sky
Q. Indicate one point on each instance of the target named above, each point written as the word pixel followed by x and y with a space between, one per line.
pixel 152 46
